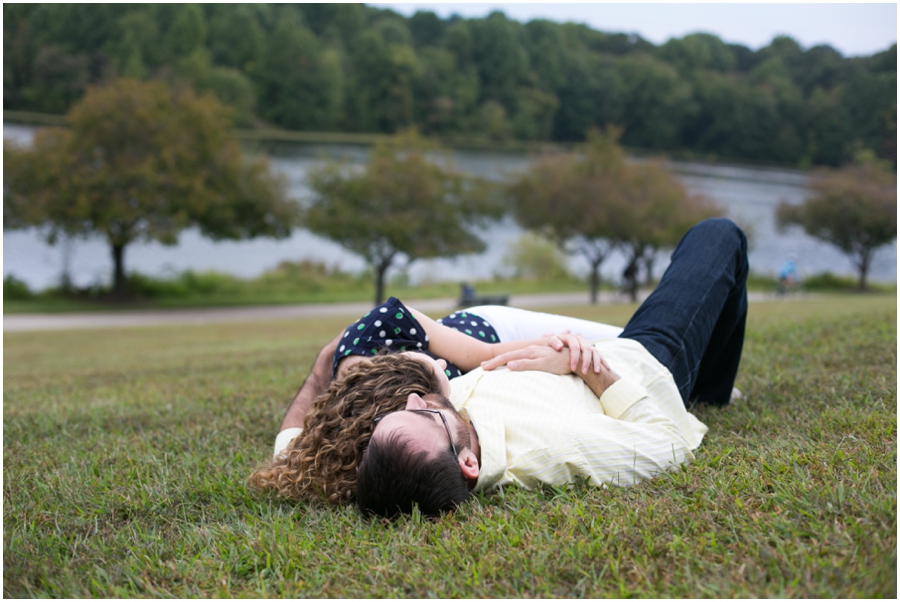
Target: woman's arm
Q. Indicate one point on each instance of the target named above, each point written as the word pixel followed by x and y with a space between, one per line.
pixel 468 352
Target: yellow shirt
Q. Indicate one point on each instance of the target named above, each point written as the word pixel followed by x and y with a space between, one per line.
pixel 535 427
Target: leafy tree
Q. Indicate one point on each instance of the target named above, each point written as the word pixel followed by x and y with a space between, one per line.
pixel 301 87
pixel 426 28
pixel 402 203
pixel 546 50
pixel 773 81
pixel 135 51
pixel 698 51
pixel 141 161
pixel 826 128
pixel 592 200
pixel 591 96
pixel 854 209
pixel 435 90
pixel 500 57
pixel 59 78
pixel 654 213
pixel 385 69
pixel 534 114
pixel 572 199
pixel 336 23
pixel 187 31
pixel 236 39
pixel 656 102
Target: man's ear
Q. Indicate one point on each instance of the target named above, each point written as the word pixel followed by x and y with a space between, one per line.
pixel 468 463
pixel 414 402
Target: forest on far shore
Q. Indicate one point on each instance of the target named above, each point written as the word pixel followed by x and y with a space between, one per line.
pixel 355 68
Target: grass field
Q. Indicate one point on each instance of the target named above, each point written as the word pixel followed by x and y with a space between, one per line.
pixel 126 454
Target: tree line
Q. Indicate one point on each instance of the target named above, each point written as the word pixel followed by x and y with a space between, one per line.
pixel 144 161
pixel 354 68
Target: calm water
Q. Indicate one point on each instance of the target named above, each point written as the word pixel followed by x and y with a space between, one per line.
pixel 747 195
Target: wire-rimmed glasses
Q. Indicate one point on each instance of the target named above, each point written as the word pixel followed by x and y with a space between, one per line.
pixel 439 413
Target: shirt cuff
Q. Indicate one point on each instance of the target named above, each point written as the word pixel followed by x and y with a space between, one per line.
pixel 620 396
pixel 284 439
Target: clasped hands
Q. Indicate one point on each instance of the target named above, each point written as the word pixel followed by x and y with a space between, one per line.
pixel 561 354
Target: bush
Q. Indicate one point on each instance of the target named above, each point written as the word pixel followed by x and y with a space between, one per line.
pixel 185 284
pixel 15 289
pixel 533 257
pixel 306 276
pixel 827 281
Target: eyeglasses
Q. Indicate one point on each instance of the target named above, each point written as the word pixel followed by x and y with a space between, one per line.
pixel 439 413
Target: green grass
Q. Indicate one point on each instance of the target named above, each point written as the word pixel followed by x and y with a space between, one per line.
pixel 126 454
pixel 289 283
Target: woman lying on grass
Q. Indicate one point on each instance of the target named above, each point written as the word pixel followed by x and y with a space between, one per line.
pixel 320 463
pixel 328 424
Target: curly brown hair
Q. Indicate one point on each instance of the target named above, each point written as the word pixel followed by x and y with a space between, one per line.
pixel 321 462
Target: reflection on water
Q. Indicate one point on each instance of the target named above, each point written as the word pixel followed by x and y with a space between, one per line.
pixel 747 195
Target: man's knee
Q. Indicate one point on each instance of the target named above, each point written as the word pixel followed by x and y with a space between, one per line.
pixel 723 231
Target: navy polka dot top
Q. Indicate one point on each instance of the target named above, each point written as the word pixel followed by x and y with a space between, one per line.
pixel 392 325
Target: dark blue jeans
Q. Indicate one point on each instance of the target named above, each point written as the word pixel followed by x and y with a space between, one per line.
pixel 693 323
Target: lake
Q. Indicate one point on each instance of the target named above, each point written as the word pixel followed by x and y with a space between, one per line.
pixel 747 195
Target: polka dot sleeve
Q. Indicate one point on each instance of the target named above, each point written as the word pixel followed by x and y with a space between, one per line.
pixel 388 325
pixel 392 325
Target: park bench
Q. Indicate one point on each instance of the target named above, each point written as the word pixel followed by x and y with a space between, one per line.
pixel 469 298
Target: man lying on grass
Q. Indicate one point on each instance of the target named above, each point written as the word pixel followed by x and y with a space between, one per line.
pixel 619 425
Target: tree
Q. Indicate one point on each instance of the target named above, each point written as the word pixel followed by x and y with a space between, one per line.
pixel 854 209
pixel 142 161
pixel 402 203
pixel 592 201
pixel 301 85
pixel 572 199
pixel 656 102
pixel 654 213
pixel 385 68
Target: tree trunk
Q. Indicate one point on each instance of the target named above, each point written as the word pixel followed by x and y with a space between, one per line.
pixel 631 277
pixel 649 260
pixel 865 258
pixel 119 286
pixel 381 268
pixel 595 279
pixel 65 278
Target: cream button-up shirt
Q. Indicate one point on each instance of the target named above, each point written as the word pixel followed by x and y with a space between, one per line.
pixel 535 427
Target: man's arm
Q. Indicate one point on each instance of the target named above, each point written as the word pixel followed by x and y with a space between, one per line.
pixel 634 439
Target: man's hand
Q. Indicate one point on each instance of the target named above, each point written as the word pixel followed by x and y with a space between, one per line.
pixel 547 359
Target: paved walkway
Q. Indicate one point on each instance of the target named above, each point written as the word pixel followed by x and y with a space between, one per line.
pixel 126 318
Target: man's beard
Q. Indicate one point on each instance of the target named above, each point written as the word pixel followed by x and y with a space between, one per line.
pixel 462 432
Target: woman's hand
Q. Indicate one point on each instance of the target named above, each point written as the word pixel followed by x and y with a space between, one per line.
pixel 547 359
pixel 579 351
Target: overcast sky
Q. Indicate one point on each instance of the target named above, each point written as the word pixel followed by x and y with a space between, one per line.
pixel 852 29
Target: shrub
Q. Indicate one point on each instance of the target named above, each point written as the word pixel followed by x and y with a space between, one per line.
pixel 13 288
pixel 826 281
pixel 533 257
pixel 185 284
